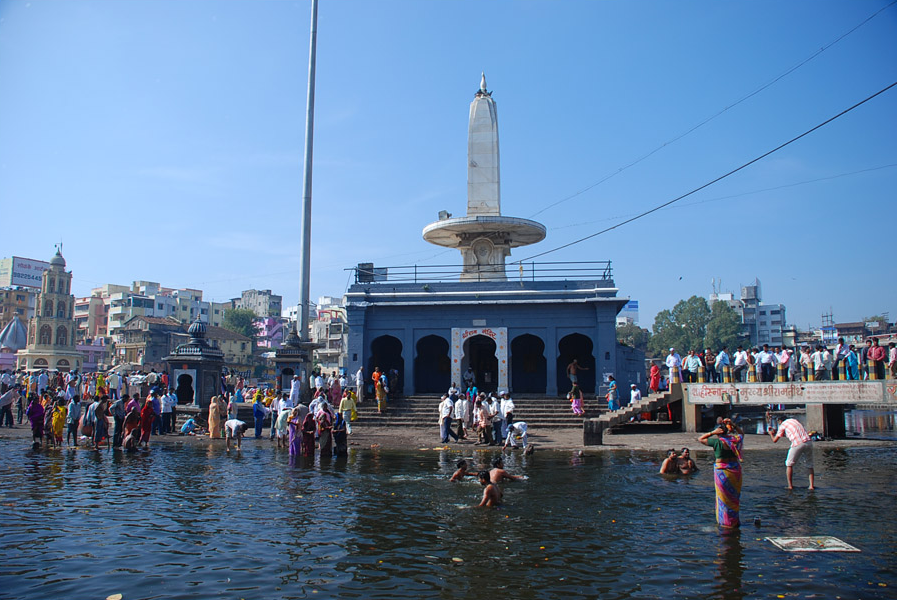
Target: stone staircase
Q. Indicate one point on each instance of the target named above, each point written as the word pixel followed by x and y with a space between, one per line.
pixel 647 404
pixel 423 412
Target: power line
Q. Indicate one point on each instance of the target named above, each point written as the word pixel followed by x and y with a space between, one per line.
pixel 708 119
pixel 709 183
pixel 739 195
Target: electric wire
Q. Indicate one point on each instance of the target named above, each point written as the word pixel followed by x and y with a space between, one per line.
pixel 709 183
pixel 712 117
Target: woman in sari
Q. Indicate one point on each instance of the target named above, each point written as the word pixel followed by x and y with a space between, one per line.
pixel 101 430
pixel 214 418
pixel 132 421
pixel 308 435
pixel 726 441
pixel 147 416
pixel 380 392
pixel 48 424
pixel 654 379
pixel 35 413
pixel 324 419
pixel 852 363
pixel 340 441
pixel 336 393
pixel 295 429
pixel 59 415
pixel 575 397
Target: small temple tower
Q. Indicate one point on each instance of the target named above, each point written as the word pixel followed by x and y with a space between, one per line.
pixel 483 236
pixel 51 333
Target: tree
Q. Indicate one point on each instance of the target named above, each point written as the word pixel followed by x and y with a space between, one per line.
pixel 723 328
pixel 882 323
pixel 633 335
pixel 682 328
pixel 240 320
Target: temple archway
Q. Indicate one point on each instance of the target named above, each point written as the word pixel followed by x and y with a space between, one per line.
pixel 432 365
pixel 479 354
pixel 579 347
pixel 386 353
pixel 529 369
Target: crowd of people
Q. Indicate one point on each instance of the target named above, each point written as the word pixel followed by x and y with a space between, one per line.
pixel 762 364
pixel 488 416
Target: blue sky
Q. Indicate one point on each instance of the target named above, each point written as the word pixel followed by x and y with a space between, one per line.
pixel 162 140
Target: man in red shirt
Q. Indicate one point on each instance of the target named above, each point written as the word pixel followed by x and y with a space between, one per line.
pixel 877 355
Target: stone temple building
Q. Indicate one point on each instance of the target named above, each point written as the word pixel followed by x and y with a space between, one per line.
pixel 51 333
pixel 517 326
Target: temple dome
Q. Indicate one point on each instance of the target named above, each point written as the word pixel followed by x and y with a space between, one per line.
pixel 57 260
pixel 197 329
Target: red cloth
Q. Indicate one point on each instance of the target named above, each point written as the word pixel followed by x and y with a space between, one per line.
pixel 147 416
pixel 654 382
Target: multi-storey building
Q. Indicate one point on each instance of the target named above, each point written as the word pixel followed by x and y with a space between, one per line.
pixel 262 302
pixel 17 301
pixel 761 323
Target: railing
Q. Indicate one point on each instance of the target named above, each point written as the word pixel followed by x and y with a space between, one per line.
pixel 532 271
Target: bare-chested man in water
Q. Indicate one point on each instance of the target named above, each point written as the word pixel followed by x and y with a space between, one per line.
pixel 686 465
pixel 491 492
pixel 498 473
pixel 462 471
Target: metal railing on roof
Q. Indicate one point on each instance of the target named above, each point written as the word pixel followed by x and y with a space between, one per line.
pixel 532 271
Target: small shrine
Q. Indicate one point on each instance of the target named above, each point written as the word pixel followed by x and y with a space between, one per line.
pixel 195 368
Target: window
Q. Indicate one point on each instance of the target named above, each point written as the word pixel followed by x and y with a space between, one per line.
pixel 763 323
pixel 20 311
pixel 779 322
pixel 48 308
pixel 20 298
pixel 216 311
pixel 762 312
pixel 183 308
pixel 61 336
pixel 775 312
pixel 160 306
pixel 60 309
pixel 46 332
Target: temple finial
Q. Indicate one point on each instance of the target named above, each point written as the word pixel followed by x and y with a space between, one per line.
pixel 483 83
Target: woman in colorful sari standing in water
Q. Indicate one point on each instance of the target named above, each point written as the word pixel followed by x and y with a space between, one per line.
pixel 726 441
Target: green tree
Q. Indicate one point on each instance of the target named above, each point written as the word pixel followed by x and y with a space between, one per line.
pixel 633 335
pixel 240 320
pixel 682 328
pixel 723 328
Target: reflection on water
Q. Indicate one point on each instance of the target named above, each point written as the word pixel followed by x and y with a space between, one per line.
pixel 878 424
pixel 182 521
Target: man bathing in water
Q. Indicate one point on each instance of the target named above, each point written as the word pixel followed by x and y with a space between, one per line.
pixel 462 471
pixel 491 492
pixel 678 464
pixel 498 473
pixel 686 465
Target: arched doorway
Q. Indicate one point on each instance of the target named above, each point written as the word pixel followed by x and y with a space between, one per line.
pixel 286 379
pixel 479 354
pixel 386 353
pixel 529 369
pixel 63 365
pixel 432 365
pixel 184 390
pixel 579 347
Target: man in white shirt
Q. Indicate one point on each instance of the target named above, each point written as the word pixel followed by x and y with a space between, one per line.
pixel 690 367
pixel 635 395
pixel 462 414
pixel 446 410
pixel 498 422
pixel 114 383
pixel 507 412
pixel 516 431
pixel 43 382
pixel 766 360
pixel 319 382
pixel 359 384
pixel 722 361
pixel 673 361
pixel 819 371
pixel 741 364
pixel 295 390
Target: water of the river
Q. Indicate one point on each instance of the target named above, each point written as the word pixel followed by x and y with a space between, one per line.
pixel 191 522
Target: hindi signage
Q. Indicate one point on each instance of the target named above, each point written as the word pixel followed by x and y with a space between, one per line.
pixel 833 392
